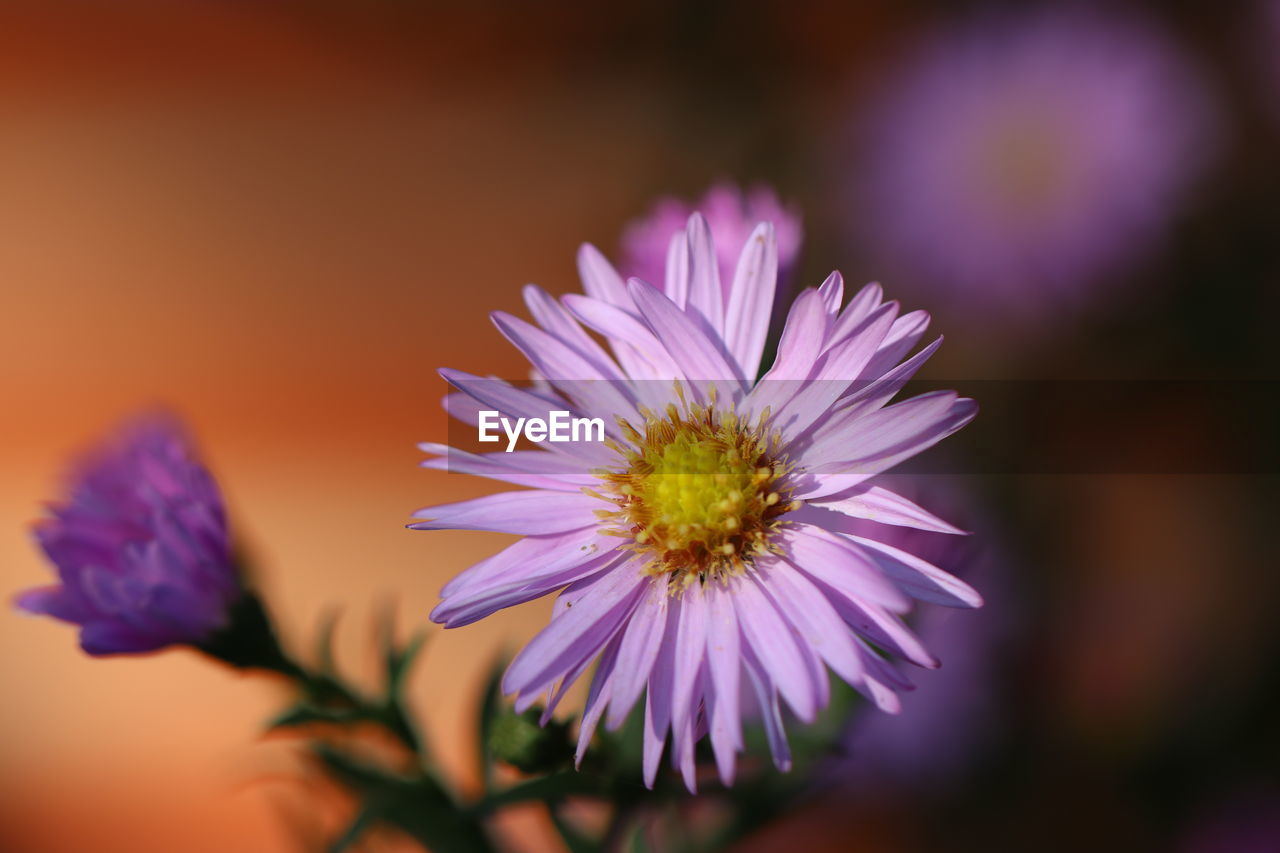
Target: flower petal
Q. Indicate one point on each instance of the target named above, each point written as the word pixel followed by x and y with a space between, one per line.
pixel 755 280
pixel 597 698
pixel 859 308
pixel 605 602
pixel 885 507
pixel 594 391
pixel 831 558
pixel 625 330
pixel 525 570
pixel 817 622
pixel 774 644
pixel 770 713
pixel 880 439
pixel 696 354
pixel 639 649
pixel 919 578
pixel 832 292
pixel 533 512
pixel 599 279
pixel 657 706
pixel 705 298
pixel 724 666
pixel 539 469
pixel 690 650
pixel 557 321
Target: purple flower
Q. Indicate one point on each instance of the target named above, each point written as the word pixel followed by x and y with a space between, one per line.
pixel 732 216
pixel 141 546
pixel 1010 166
pixel 705 553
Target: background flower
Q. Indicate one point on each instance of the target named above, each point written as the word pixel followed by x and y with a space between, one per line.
pixel 141 546
pixel 732 215
pixel 1009 166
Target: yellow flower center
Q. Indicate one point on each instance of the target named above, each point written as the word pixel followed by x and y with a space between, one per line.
pixel 699 490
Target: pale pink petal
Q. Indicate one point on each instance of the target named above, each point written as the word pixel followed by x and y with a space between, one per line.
pixel 676 286
pixel 902 339
pixel 690 649
pixel 605 602
pixel 802 339
pixel 697 355
pixel 521 584
pixel 774 643
pixel 553 317
pixel 512 402
pixel 919 578
pixel 626 331
pixel 638 651
pixel 725 667
pixel 594 391
pixel 885 507
pixel 832 292
pixel 817 622
pixel 879 439
pixel 881 627
pixel 597 698
pixel 536 468
pixel 832 559
pixel 755 280
pixel 533 512
pixel 599 279
pixel 706 301
pixel 860 306
pixel 771 714
pixel 657 709
pixel 869 395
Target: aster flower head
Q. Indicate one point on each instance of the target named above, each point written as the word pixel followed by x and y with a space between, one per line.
pixel 140 545
pixel 704 552
pixel 1010 166
pixel 732 215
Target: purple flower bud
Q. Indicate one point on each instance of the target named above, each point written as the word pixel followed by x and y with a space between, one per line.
pixel 141 546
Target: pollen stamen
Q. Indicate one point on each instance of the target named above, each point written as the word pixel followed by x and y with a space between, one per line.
pixel 700 491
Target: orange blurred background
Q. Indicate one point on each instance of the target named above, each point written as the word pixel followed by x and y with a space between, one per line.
pixel 279 224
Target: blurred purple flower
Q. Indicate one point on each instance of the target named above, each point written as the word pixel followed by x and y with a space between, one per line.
pixel 1012 164
pixel 954 713
pixel 732 216
pixel 141 546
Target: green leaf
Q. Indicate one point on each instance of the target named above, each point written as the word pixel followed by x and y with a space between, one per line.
pixel 324 641
pixel 520 741
pixel 399 662
pixel 416 805
pixel 546 789
pixel 490 705
pixel 305 714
